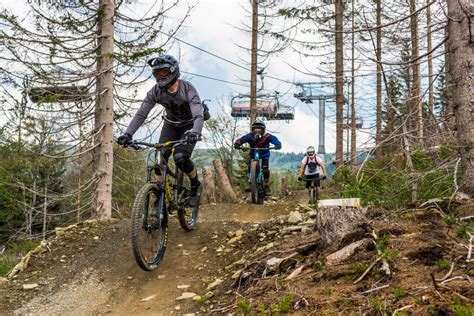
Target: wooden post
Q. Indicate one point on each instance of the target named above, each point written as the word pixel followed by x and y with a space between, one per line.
pixel 284 186
pixel 223 181
pixel 209 191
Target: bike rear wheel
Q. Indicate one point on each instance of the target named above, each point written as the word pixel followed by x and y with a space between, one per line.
pixel 149 231
pixel 187 215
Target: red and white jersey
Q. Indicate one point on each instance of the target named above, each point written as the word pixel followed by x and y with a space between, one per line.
pixel 311 159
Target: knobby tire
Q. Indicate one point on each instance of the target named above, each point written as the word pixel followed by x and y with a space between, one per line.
pixel 137 222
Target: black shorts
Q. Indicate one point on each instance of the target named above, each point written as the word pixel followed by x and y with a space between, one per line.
pixel 170 133
pixel 313 178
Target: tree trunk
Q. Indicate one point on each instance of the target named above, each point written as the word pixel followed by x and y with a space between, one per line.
pixel 353 109
pixel 29 220
pixel 429 47
pixel 334 222
pixel 461 67
pixel 416 87
pixel 79 169
pixel 104 110
pixel 378 54
pixel 223 182
pixel 339 85
pixel 45 209
pixel 253 64
pixel 209 192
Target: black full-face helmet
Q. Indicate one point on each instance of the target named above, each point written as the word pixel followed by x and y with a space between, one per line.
pixel 258 128
pixel 165 69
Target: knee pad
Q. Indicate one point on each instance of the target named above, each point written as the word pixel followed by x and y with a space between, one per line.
pixel 266 173
pixel 183 162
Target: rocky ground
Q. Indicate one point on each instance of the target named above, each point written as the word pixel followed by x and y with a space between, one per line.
pixel 252 259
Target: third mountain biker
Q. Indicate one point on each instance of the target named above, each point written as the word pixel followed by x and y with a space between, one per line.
pixel 314 170
pixel 259 138
pixel 184 116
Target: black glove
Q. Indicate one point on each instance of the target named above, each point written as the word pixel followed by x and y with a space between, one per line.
pixel 300 178
pixel 191 137
pixel 324 178
pixel 237 146
pixel 125 139
pixel 277 146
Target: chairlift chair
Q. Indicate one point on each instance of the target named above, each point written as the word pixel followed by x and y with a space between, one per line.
pixel 268 106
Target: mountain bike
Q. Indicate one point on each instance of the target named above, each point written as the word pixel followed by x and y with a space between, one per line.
pixel 154 201
pixel 313 193
pixel 255 175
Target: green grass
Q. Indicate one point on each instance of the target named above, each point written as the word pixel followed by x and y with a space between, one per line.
pixel 386 183
pixel 381 246
pixel 399 293
pixel 202 300
pixel 355 271
pixel 326 291
pixel 284 305
pixel 24 246
pixel 462 310
pixel 6 265
pixel 442 264
pixel 462 231
pixel 243 306
pixel 378 305
pixel 317 265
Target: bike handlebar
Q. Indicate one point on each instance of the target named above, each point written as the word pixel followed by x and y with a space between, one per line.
pixel 257 149
pixel 171 144
pixel 306 179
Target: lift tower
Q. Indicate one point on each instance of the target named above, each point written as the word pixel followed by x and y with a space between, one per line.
pixel 312 91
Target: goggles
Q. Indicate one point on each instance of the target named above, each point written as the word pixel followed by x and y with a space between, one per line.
pixel 161 73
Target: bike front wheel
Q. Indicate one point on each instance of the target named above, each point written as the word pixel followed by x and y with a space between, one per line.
pixel 313 195
pixel 187 215
pixel 255 186
pixel 149 231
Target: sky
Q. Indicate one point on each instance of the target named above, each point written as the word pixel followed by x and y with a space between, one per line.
pixel 214 25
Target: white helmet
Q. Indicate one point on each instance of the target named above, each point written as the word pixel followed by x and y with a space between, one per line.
pixel 310 151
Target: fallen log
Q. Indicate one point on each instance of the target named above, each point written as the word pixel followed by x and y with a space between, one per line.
pixel 346 252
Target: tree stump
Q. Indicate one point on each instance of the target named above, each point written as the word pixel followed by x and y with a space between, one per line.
pixel 284 186
pixel 223 181
pixel 334 222
pixel 209 190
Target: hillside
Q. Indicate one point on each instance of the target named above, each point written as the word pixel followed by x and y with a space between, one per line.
pixel 226 263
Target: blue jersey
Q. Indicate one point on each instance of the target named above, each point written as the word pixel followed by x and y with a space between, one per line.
pixel 263 142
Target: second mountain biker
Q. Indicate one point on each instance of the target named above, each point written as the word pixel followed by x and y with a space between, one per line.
pixel 259 138
pixel 184 116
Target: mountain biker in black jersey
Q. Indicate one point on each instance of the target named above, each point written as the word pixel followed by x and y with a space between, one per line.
pixel 314 170
pixel 259 138
pixel 184 117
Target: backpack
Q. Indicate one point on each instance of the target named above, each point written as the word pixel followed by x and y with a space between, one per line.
pixel 312 165
pixel 207 114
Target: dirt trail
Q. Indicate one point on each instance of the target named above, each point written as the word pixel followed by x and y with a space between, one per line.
pixel 90 270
